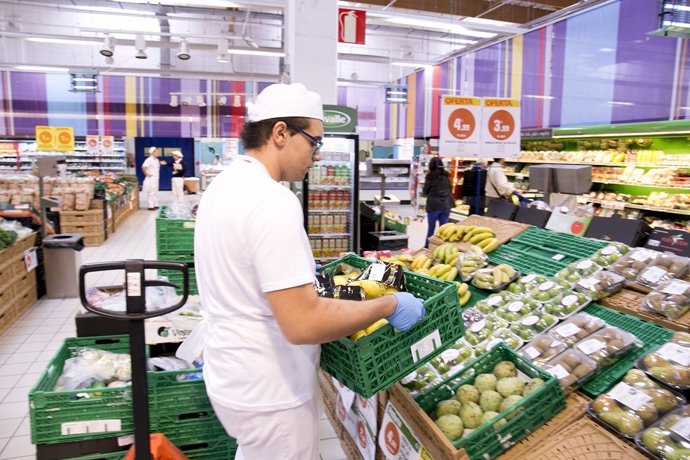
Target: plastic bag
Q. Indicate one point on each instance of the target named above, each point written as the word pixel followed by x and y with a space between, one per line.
pixel 601 284
pixel 634 262
pixel 610 254
pixel 572 367
pixel 542 349
pixel 664 268
pixel 607 343
pixel 91 365
pixel 577 270
pixel 670 299
pixel 527 282
pixel 670 364
pixel 468 264
pixel 566 304
pixel 179 210
pixel 496 278
pixel 576 328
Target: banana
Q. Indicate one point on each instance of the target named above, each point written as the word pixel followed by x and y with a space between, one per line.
pixel 507 269
pixel 358 335
pixel 427 264
pixel 423 271
pixel 442 270
pixel 372 289
pixel 451 275
pixel 477 237
pixel 484 243
pixel 454 259
pixel 477 250
pixel 491 245
pixel 463 288
pixel 465 298
pixel 376 326
pixel 476 230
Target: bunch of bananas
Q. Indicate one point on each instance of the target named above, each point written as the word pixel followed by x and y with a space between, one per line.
pixel 404 260
pixel 483 237
pixel 421 262
pixel 373 289
pixel 369 330
pixel 444 272
pixel 464 293
pixel 447 253
pixel 471 261
pixel 450 232
pixel 491 278
pixel 343 280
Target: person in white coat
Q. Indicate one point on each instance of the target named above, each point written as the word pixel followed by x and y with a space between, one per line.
pixel 263 320
pixel 497 185
pixel 151 169
pixel 178 176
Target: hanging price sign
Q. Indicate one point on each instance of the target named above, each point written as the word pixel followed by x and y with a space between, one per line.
pixel 500 127
pixel 460 133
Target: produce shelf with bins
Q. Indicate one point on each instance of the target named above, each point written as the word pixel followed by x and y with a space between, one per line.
pixel 330 199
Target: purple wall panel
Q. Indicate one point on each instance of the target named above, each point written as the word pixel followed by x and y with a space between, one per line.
pixel 644 65
pixel 114 105
pixel 557 66
pixel 92 111
pixel 29 104
pixel 532 78
pixel 167 118
pixel 486 75
pixel 420 99
pixel 342 95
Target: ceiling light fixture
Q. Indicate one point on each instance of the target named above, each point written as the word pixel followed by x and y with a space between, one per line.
pixel 173 100
pixel 222 100
pixel 196 3
pixel 108 48
pixel 439 25
pixel 251 43
pixel 40 68
pixel 258 52
pixel 200 101
pixel 62 41
pixel 186 100
pixel 106 9
pixel 222 51
pixel 415 65
pixel 140 45
pixel 109 60
pixel 183 54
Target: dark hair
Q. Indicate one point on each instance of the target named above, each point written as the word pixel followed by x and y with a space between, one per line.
pixel 255 134
pixel 436 167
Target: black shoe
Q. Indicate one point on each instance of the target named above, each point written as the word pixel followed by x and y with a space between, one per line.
pixel 152 209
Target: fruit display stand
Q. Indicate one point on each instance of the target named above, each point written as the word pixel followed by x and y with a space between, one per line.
pixel 585 440
pixel 89 224
pixel 18 292
pixel 123 206
pixel 630 302
pixel 504 230
pixel 379 360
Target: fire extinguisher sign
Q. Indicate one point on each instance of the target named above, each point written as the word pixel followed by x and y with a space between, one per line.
pixel 351 26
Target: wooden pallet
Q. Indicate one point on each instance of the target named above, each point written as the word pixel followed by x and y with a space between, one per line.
pixel 92 216
pixel 505 230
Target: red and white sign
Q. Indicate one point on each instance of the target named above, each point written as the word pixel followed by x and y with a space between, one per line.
pixel 501 127
pixel 107 144
pixel 351 26
pixel 460 133
pixel 92 144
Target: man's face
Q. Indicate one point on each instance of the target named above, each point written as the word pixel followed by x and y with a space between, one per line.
pixel 303 151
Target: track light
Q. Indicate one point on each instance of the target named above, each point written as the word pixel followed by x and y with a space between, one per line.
pixel 251 43
pixel 200 101
pixel 173 100
pixel 183 54
pixel 140 45
pixel 222 100
pixel 186 100
pixel 222 51
pixel 109 60
pixel 222 58
pixel 108 48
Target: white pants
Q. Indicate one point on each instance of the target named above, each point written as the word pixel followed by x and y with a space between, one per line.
pixel 178 188
pixel 290 434
pixel 151 188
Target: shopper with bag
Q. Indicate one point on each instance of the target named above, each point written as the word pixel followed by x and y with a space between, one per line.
pixel 255 272
pixel 439 196
pixel 497 185
pixel 177 176
pixel 151 169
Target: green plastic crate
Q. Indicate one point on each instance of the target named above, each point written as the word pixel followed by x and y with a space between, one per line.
pixel 395 225
pixel 527 260
pixel 50 409
pixel 174 236
pixel 377 361
pixel 651 334
pixel 564 243
pixel 535 409
pixel 219 449
pixel 170 392
pixel 175 277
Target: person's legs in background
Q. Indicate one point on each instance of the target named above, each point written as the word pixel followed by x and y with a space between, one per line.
pixel 443 217
pixel 152 199
pixel 178 188
pixel 432 217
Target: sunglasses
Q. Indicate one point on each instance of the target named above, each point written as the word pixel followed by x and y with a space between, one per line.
pixel 315 142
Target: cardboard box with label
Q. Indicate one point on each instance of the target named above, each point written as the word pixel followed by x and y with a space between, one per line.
pixel 567 223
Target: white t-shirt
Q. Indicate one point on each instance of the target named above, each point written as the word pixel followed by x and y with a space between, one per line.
pixel 153 165
pixel 249 239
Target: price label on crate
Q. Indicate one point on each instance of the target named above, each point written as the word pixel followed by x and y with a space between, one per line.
pixel 676 353
pixel 396 439
pixel 630 396
pixel 30 259
pixel 425 346
pixel 682 428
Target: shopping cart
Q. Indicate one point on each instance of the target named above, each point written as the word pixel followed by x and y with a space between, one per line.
pixel 135 284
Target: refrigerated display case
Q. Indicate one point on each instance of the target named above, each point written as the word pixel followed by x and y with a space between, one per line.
pixel 330 198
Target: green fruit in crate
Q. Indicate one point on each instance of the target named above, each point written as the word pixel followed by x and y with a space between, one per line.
pixel 471 415
pixel 490 400
pixel 509 402
pixel 447 407
pixel 485 382
pixel 532 385
pixel 488 416
pixel 510 386
pixel 654 439
pixel 505 369
pixel 467 393
pixel 451 425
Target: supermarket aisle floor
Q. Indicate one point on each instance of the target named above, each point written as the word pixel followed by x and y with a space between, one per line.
pixel 27 347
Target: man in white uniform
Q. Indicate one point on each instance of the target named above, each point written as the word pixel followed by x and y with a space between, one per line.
pixel 255 273
pixel 151 169
pixel 177 176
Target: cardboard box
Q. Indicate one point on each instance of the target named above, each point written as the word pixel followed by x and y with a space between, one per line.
pixel 566 223
pixel 629 231
pixel 574 179
pixel 169 329
pixel 673 241
pixel 532 216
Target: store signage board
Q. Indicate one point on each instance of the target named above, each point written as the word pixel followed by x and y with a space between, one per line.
pixel 92 144
pixel 500 127
pixel 673 241
pixel 352 26
pixel 460 132
pixel 107 144
pixel 405 148
pixel 45 138
pixel 541 133
pixel 64 137
pixel 339 119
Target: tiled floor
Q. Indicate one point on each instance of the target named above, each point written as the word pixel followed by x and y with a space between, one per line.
pixel 31 342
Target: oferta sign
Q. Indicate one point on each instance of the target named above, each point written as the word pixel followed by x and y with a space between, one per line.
pixel 339 119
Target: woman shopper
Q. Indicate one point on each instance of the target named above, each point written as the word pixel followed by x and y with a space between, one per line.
pixel 497 185
pixel 439 199
pixel 177 176
pixel 151 169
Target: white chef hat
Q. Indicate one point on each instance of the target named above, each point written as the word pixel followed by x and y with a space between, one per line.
pixel 281 100
pixel 151 150
pixel 177 153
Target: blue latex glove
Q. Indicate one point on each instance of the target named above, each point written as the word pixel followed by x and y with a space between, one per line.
pixel 410 311
pixel 317 267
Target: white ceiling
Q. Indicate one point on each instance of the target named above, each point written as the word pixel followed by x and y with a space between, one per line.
pixel 29 29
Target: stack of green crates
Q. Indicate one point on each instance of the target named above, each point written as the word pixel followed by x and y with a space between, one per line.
pixel 175 243
pixel 178 408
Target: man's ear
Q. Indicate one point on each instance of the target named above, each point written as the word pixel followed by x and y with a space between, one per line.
pixel 280 134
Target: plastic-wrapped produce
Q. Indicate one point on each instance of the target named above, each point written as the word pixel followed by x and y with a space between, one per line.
pixel 501 335
pixel 670 299
pixel 469 263
pixel 601 284
pixel 495 278
pixel 610 254
pixel 453 359
pixel 571 368
pixel 576 328
pixel 483 329
pixel 573 272
pixel 542 348
pixel 533 324
pixel 607 343
pixel 525 283
pixel 634 262
pixel 516 309
pixel 633 404
pixel 670 364
pixel 668 438
pixel 664 268
pixel 566 304
pixel 547 291
pixel 421 379
pixel 494 301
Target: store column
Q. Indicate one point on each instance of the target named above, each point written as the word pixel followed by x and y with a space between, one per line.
pixel 312 45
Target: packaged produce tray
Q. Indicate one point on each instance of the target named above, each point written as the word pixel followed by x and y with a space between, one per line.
pixel 528 414
pixel 585 440
pixel 173 236
pixel 630 302
pixel 527 259
pixel 379 360
pixel 651 335
pixel 564 243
